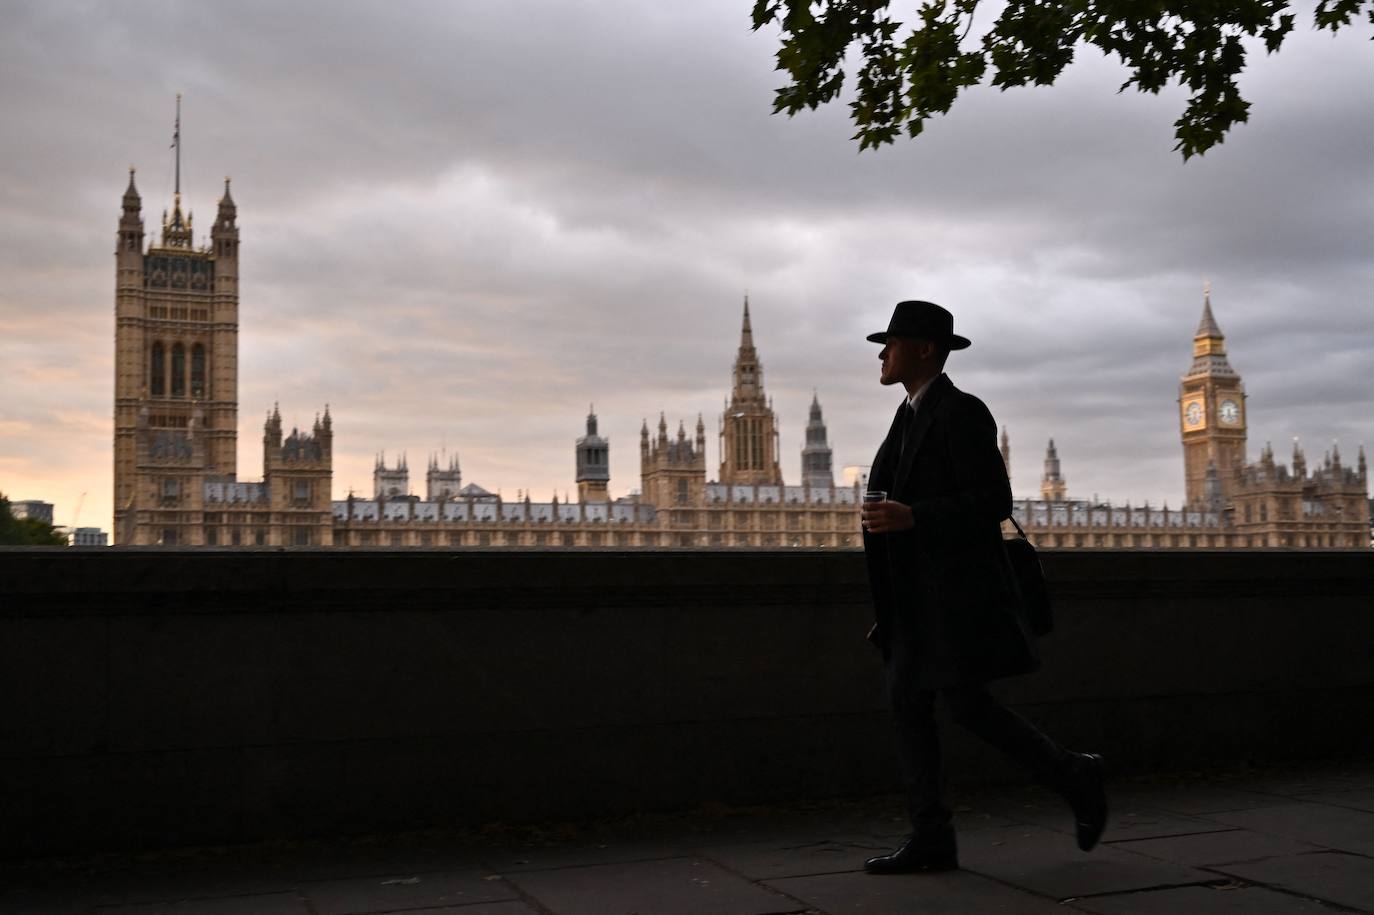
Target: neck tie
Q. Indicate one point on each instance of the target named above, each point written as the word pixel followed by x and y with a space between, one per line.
pixel 908 420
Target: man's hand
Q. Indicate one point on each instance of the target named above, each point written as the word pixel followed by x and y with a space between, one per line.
pixel 886 517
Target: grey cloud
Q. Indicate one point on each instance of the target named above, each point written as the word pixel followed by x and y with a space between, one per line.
pixel 463 223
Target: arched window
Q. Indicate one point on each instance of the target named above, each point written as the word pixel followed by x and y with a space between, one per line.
pixel 178 370
pixel 198 371
pixel 157 383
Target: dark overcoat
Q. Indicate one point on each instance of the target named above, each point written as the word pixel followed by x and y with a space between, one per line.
pixel 947 605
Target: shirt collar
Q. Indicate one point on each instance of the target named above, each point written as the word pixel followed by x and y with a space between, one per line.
pixel 914 400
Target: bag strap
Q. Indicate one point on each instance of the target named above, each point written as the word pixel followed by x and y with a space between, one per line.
pixel 1012 519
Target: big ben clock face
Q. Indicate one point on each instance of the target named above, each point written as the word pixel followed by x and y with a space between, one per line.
pixel 1194 407
pixel 1230 412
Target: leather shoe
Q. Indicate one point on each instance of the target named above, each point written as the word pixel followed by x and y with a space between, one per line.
pixel 910 859
pixel 1089 799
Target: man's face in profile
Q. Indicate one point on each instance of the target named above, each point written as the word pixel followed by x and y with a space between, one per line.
pixel 903 359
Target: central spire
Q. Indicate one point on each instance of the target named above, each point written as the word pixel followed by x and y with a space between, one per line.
pixel 749 437
pixel 747 381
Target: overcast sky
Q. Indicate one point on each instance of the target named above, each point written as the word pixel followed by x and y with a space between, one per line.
pixel 463 223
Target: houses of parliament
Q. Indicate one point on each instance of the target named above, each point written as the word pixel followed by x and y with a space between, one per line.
pixel 176 479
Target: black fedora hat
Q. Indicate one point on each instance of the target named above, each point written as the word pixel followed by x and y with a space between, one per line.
pixel 925 320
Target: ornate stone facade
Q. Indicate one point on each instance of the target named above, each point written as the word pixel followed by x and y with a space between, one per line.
pixel 1229 502
pixel 175 482
pixel 676 505
pixel 176 398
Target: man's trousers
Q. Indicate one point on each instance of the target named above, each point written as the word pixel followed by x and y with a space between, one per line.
pixel 974 708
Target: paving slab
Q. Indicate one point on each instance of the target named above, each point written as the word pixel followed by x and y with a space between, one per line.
pixel 1130 823
pixel 1320 824
pixel 518 859
pixel 951 893
pixel 1218 847
pixel 1192 799
pixel 895 831
pixel 337 861
pixel 510 907
pixel 678 886
pixel 405 891
pixel 185 881
pixel 271 904
pixel 1314 780
pixel 1206 900
pixel 1359 799
pixel 1049 863
pixel 1125 821
pixel 43 902
pixel 771 860
pixel 1346 880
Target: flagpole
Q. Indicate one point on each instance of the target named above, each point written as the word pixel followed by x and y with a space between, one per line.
pixel 176 143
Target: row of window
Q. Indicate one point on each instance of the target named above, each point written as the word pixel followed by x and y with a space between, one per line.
pixel 167 370
pixel 164 313
pixel 592 538
pixel 1184 541
pixel 242 536
pixel 235 536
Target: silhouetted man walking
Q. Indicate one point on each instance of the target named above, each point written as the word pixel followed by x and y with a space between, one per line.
pixel 949 615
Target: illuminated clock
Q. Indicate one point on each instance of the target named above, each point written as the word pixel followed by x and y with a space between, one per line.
pixel 1230 412
pixel 1193 414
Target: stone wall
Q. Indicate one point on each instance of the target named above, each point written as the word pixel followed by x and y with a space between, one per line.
pixel 159 696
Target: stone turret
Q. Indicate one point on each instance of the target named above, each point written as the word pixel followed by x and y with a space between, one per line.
pixel 593 464
pixel 672 470
pixel 297 474
pixel 131 220
pixel 271 429
pixel 390 482
pixel 1053 486
pixel 443 479
pixel 816 457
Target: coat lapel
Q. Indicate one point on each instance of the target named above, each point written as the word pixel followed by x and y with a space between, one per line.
pixel 925 414
pixel 885 461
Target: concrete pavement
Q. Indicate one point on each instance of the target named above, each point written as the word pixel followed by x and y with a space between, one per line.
pixel 1272 840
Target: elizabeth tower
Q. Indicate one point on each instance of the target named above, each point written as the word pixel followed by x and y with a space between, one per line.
pixel 1211 417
